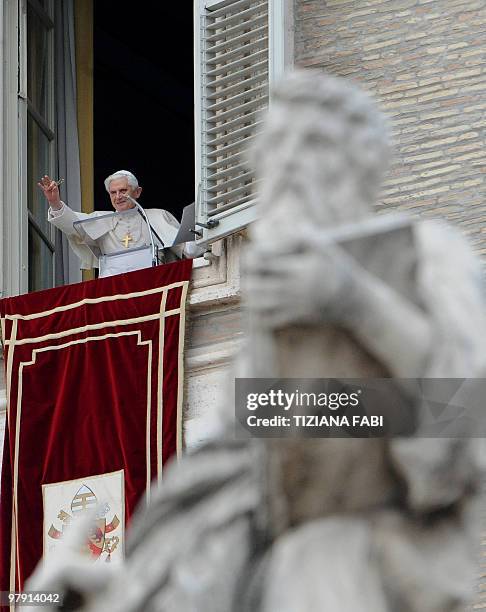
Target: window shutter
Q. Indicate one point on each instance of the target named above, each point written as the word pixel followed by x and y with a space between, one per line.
pixel 232 81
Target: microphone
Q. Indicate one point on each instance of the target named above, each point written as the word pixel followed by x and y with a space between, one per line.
pixel 142 212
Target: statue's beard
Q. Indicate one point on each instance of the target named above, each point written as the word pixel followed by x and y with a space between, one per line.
pixel 305 202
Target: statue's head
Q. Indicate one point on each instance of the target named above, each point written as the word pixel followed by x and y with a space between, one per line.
pixel 324 147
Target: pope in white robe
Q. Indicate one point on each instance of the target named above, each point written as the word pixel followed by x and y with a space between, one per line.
pixel 114 233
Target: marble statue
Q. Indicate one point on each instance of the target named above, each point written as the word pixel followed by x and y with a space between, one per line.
pixel 332 290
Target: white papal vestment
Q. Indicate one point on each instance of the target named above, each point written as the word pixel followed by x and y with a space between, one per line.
pixel 116 233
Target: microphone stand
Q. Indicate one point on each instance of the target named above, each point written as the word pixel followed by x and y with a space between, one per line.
pixel 141 211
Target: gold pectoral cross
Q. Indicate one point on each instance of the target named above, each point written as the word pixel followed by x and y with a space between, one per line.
pixel 126 239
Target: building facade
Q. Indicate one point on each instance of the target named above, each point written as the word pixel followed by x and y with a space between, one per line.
pixel 424 60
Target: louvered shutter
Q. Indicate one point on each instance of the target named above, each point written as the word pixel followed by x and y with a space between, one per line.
pixel 233 50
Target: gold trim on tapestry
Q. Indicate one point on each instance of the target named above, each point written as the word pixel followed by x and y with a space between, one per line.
pixel 106 298
pixel 13 336
pixel 149 406
pixel 160 396
pixel 93 326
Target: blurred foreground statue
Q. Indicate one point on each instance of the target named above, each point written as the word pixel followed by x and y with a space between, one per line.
pixel 355 525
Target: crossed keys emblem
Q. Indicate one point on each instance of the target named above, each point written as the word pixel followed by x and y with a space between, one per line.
pixel 97 542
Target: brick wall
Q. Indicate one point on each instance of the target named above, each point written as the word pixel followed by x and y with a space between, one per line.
pixel 425 62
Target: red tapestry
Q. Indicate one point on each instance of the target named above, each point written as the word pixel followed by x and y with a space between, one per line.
pixel 94 386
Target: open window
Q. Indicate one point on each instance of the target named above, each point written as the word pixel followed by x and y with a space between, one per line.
pixel 37 117
pixel 238 53
pixel 41 138
pixel 143 101
pixel 142 119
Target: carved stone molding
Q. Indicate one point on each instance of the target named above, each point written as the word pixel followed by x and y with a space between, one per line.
pixel 217 281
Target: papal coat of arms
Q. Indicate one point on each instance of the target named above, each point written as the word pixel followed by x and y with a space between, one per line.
pixel 105 534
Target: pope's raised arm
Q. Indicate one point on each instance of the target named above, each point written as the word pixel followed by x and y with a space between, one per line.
pixel 50 188
pixel 116 234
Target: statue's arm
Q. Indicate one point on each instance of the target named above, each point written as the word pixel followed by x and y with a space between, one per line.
pixel 446 336
pixel 396 331
pixel 330 286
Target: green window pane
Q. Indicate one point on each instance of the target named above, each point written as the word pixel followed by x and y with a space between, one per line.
pixel 38 67
pixel 38 164
pixel 41 273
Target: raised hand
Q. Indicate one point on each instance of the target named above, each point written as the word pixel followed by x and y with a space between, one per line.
pixel 50 189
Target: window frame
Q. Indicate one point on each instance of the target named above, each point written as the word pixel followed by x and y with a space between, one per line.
pixel 14 252
pixel 46 125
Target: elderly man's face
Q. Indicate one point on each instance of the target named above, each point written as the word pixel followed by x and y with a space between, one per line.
pixel 119 189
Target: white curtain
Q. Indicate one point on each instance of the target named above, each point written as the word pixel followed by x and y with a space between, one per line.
pixel 67 142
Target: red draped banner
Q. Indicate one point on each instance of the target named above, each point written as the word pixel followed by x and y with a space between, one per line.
pixel 94 389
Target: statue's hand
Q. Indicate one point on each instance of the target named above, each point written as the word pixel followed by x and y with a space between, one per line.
pixel 300 286
pixel 70 572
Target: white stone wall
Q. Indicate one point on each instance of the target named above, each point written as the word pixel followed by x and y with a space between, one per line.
pixel 214 334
